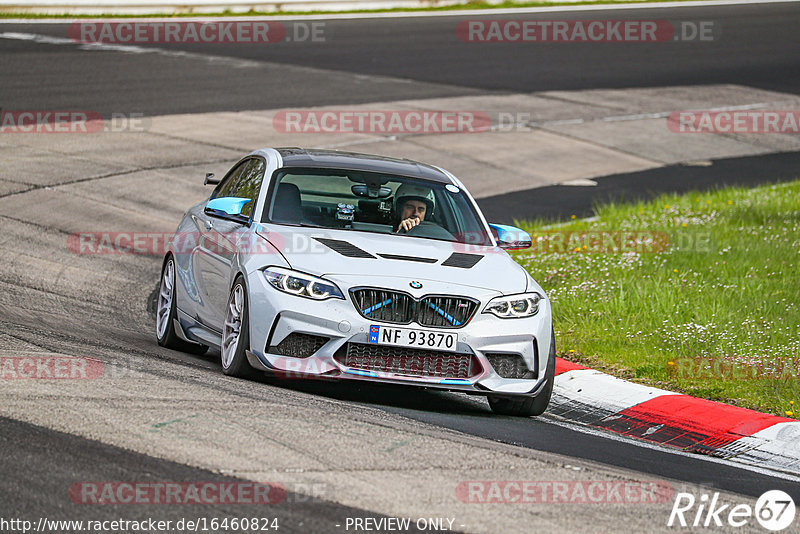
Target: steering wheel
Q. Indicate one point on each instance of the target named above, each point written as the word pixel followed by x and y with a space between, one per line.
pixel 430 229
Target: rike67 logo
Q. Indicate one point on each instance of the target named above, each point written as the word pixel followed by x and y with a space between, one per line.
pixel 774 510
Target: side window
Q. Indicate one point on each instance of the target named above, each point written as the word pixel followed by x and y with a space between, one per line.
pixel 243 182
pixel 229 182
pixel 249 184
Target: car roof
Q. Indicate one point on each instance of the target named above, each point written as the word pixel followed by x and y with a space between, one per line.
pixel 334 159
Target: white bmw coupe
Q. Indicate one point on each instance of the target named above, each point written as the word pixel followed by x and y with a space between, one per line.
pixel 317 263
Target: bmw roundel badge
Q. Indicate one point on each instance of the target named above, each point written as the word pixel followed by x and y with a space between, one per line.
pixel 415 284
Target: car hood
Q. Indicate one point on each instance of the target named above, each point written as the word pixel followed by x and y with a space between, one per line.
pixel 348 255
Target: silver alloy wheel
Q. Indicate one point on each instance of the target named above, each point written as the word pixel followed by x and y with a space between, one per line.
pixel 233 325
pixel 165 296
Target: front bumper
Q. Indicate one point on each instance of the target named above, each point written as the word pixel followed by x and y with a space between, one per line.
pixel 275 315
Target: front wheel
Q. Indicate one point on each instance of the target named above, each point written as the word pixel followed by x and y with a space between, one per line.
pixel 236 333
pixel 529 406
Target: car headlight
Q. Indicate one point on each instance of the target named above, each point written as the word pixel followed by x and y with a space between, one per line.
pixel 302 285
pixel 515 306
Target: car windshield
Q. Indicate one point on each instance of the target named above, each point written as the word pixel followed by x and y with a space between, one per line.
pixel 373 202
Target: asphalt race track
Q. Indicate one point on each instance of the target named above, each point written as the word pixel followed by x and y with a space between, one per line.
pixel 362 451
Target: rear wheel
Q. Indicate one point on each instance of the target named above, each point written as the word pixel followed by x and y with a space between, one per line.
pixel 236 333
pixel 529 406
pixel 165 313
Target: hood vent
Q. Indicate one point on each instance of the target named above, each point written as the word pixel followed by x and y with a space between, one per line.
pixel 344 248
pixel 462 261
pixel 407 258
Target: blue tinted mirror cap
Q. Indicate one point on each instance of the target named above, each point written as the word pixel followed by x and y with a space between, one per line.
pixel 228 205
pixel 511 237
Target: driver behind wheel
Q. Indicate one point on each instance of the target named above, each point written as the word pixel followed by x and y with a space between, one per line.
pixel 412 204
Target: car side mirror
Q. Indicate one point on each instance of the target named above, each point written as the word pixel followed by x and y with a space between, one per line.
pixel 510 237
pixel 229 208
pixel 210 180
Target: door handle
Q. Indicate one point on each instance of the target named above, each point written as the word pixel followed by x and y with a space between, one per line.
pixel 209 225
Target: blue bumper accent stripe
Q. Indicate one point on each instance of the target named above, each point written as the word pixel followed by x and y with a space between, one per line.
pixel 361 373
pixel 459 381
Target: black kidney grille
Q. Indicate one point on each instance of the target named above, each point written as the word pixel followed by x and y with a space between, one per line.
pixel 386 306
pixel 408 361
pixel 445 312
pixel 400 308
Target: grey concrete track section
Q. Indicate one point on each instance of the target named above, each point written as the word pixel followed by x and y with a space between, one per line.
pixel 565 138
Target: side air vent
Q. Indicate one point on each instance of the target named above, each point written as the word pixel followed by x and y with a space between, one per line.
pixel 344 248
pixel 407 258
pixel 510 365
pixel 462 261
pixel 298 345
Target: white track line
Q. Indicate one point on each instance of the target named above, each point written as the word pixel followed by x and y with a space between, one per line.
pixel 131 49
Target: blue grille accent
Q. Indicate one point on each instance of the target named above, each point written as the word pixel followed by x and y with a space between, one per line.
pixel 376 307
pixel 437 311
pixel 449 318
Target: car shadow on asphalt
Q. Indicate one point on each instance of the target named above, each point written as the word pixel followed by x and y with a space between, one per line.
pixel 385 395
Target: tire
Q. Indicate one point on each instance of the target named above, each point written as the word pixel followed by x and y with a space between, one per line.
pixel 236 333
pixel 529 406
pixel 166 311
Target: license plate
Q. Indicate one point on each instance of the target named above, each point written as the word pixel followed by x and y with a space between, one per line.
pixel 410 337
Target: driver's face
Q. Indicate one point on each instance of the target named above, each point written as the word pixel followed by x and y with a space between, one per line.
pixel 414 208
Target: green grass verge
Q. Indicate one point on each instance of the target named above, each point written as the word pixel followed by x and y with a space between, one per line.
pixel 714 314
pixel 460 7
